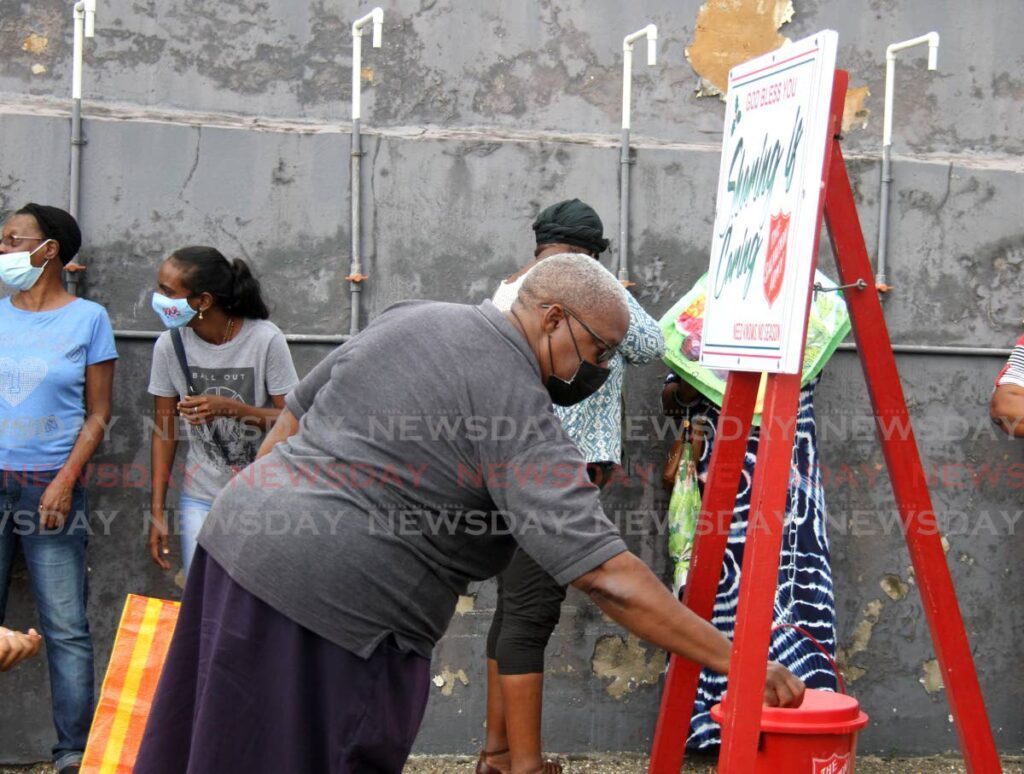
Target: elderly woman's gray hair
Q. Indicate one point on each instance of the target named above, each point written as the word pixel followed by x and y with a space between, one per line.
pixel 576 281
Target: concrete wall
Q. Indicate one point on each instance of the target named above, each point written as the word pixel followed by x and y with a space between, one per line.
pixel 224 123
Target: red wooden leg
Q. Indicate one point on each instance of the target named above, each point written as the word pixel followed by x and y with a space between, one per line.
pixel 904 462
pixel 709 544
pixel 741 725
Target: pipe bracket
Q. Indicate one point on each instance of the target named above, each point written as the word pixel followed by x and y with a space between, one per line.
pixel 357 278
pixel 858 285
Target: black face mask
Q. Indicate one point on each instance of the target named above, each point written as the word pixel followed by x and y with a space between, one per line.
pixel 587 380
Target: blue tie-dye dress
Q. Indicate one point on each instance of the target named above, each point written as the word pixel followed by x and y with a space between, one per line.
pixel 804 595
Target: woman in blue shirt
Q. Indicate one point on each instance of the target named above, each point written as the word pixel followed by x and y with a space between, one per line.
pixel 56 371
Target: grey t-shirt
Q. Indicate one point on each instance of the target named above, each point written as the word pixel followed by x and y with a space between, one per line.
pixel 426 450
pixel 251 367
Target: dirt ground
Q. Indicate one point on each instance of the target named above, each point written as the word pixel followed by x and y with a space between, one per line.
pixel 637 764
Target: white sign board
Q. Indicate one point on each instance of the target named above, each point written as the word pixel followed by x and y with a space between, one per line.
pixel 766 218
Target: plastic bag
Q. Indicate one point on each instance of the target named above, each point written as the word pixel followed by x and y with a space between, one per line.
pixel 143 637
pixel 683 511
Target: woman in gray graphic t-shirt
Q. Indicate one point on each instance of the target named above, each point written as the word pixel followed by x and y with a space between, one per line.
pixel 239 370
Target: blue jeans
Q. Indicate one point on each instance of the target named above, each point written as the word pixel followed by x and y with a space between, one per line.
pixel 191 515
pixel 56 565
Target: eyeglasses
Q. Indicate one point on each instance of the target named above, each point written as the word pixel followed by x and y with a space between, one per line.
pixel 15 240
pixel 609 351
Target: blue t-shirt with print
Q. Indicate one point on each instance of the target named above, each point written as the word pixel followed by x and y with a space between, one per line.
pixel 43 357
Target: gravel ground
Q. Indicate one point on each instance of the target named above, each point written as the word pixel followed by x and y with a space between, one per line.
pixel 637 764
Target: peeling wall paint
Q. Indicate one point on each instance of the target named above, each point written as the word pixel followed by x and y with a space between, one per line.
pixel 931 676
pixel 448 679
pixel 894 587
pixel 966 558
pixel 35 44
pixel 730 32
pixel 855 114
pixel 859 642
pixel 628 663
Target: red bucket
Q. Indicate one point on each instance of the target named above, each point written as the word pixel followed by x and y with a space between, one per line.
pixel 818 737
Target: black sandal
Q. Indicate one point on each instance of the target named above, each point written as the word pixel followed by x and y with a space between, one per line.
pixel 483 767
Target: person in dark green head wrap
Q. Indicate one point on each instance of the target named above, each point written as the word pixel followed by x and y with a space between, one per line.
pixel 571 226
pixel 529 600
pixel 571 223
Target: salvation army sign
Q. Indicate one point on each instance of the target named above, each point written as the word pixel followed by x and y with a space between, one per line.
pixel 766 219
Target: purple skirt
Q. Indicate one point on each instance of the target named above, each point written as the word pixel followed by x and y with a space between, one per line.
pixel 245 688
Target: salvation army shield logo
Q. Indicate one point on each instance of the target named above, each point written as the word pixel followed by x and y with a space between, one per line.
pixel 775 258
pixel 836 764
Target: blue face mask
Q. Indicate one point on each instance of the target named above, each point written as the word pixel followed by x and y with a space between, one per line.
pixel 16 269
pixel 173 312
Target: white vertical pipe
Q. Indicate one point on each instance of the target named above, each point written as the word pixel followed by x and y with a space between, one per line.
pixel 84 26
pixel 357 66
pixel 355 277
pixel 932 39
pixel 76 53
pixel 627 83
pixel 651 33
pixel 84 15
pixel 376 18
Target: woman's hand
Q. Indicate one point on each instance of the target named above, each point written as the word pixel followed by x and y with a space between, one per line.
pixel 782 688
pixel 158 542
pixel 15 647
pixel 55 504
pixel 203 409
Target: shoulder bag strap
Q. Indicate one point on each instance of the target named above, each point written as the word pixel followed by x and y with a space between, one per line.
pixel 179 350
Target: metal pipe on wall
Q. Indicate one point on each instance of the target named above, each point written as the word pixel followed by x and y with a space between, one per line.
pixel 291 338
pixel 651 33
pixel 355 275
pixel 932 39
pixel 934 349
pixel 84 23
pixel 900 349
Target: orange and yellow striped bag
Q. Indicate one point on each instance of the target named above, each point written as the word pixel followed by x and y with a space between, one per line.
pixel 140 648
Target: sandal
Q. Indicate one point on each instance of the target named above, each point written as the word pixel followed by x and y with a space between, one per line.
pixel 483 767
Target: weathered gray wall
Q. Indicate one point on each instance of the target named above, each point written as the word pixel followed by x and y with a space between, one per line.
pixel 224 123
